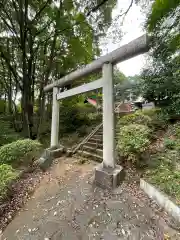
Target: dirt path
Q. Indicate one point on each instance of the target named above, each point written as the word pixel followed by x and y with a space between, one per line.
pixel 66 205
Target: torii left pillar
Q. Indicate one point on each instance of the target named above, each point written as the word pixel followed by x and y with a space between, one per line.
pixel 55 120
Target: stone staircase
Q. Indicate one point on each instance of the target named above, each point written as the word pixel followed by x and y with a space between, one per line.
pixel 92 146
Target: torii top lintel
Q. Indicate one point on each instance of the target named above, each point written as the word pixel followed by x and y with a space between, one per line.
pixel 138 46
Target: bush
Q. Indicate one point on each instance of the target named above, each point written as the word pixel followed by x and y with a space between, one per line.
pixel 21 151
pixel 95 117
pixel 7 174
pixel 133 140
pixel 151 112
pixel 160 121
pixel 159 118
pixel 135 118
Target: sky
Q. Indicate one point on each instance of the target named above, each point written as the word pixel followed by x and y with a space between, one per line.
pixel 132 28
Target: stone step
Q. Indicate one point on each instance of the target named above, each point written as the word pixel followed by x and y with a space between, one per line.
pixel 97 136
pixel 94 140
pixel 101 133
pixel 93 144
pixel 93 150
pixel 90 156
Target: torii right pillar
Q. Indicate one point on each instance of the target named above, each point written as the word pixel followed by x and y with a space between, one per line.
pixel 108 174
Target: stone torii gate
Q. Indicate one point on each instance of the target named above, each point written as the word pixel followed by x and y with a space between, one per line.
pixel 107 174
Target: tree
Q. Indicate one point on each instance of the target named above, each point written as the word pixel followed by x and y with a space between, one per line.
pixel 43 40
pixel 160 79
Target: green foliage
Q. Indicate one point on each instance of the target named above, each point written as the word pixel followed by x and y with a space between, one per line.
pixel 166 177
pixel 7 174
pixel 133 140
pixel 174 130
pixel 2 106
pixel 161 78
pixel 169 143
pixel 95 117
pixel 20 152
pixel 160 120
pixel 160 10
pixel 151 112
pixel 137 118
pixel 61 36
pixel 153 118
pixel 119 77
pixel 168 157
pixel 7 133
pixel 173 137
pixel 71 116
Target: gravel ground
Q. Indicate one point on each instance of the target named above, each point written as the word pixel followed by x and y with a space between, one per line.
pixel 20 192
pixel 66 205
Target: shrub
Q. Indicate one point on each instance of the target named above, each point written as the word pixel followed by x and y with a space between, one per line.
pixel 151 112
pixel 133 140
pixel 7 174
pixel 135 118
pixel 160 121
pixel 21 151
pixel 169 143
pixel 159 117
pixel 95 117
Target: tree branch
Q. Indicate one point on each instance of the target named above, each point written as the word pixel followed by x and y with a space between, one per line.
pixel 95 8
pixel 41 30
pixel 11 68
pixel 41 10
pixel 125 13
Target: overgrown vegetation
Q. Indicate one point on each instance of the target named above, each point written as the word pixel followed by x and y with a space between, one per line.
pixel 163 173
pixel 19 152
pixel 162 166
pixel 137 118
pixel 7 174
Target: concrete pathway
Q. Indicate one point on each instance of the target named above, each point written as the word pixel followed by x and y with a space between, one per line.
pixel 66 205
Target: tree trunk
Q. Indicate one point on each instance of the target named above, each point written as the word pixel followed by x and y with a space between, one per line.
pixel 10 95
pixel 27 108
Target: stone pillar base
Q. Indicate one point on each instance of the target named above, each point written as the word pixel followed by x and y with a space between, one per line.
pixel 108 178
